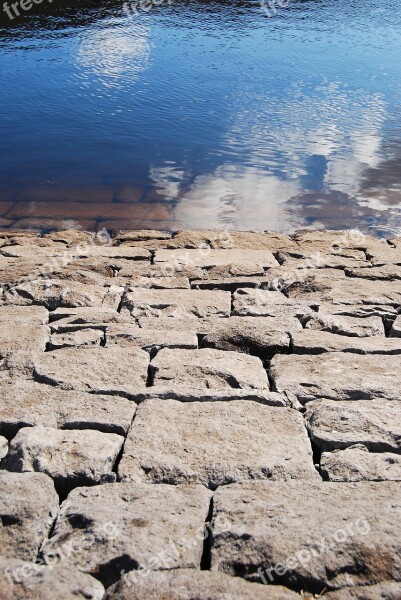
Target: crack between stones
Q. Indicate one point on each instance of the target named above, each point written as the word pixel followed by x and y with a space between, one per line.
pixel 206 560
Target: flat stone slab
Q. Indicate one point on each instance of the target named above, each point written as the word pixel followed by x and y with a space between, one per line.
pixel 98 370
pixel 190 393
pixel 133 526
pixel 28 404
pixel 20 580
pixel 150 340
pixel 239 441
pixel 70 458
pixel 356 463
pixel 23 329
pixel 33 315
pixel 176 303
pixel 347 326
pixel 386 272
pixel 75 339
pixel 266 303
pixel 73 319
pixel 315 536
pixel 209 369
pixel 187 584
pixel 374 423
pixel 317 342
pixel 28 507
pixel 207 257
pixel 332 376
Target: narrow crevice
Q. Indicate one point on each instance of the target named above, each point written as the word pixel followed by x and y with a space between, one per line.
pixel 152 256
pixel 103 341
pixel 201 337
pixel 206 560
pixel 316 451
pixel 151 376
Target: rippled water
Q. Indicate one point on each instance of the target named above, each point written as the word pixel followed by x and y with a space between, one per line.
pixel 202 114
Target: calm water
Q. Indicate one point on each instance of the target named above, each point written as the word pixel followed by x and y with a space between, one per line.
pixel 202 114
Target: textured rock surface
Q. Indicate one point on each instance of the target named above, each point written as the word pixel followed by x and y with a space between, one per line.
pixel 70 458
pixel 215 444
pixel 347 326
pixel 28 507
pixel 20 580
pixel 317 342
pixel 186 584
pixel 132 526
pixel 278 528
pixel 177 303
pixel 358 464
pixel 384 591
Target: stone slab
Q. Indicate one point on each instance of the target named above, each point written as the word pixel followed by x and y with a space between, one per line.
pixel 356 463
pixel 318 342
pixel 151 340
pixel 346 325
pixel 207 257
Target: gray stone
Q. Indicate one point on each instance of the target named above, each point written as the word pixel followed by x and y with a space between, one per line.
pixel 27 404
pixel 386 272
pixel 210 257
pixel 356 463
pixel 3 446
pixel 151 340
pixel 157 283
pixel 74 319
pixel 131 526
pixel 319 260
pixel 343 325
pixel 188 584
pixel 32 315
pixel 215 444
pixel 317 342
pixel 23 329
pixel 265 303
pixel 28 507
pixel 249 340
pixel 70 458
pixel 20 580
pixel 176 303
pixel 382 591
pixel 100 370
pixel 374 423
pixel 209 369
pixel 320 535
pixel 360 311
pixel 82 337
pixel 191 393
pixel 385 256
pixel 336 376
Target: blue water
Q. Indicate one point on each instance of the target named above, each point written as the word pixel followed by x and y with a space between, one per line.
pixel 202 114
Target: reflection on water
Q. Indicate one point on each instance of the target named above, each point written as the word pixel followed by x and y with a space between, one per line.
pixel 203 114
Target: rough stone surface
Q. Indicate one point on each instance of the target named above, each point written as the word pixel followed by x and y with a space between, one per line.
pixel 133 526
pixel 374 423
pixel 83 337
pixel 177 303
pixel 209 369
pixel 278 528
pixel 55 293
pixel 70 458
pixel 265 303
pixel 28 507
pixel 149 339
pixel 212 258
pixel 381 591
pixel 215 444
pixel 347 326
pixel 356 463
pixel 317 342
pixel 186 584
pixel 20 580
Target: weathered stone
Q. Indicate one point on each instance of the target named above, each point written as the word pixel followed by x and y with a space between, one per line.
pixel 209 369
pixel 150 340
pixel 28 507
pixel 82 337
pixel 70 458
pixel 395 331
pixel 356 463
pixel 55 293
pixel 264 303
pixel 28 404
pixel 188 584
pixel 28 251
pixel 32 315
pixel 336 242
pixel 156 283
pixel 317 342
pixel 386 272
pixel 242 269
pixel 319 260
pixel 127 252
pixel 374 423
pixel 382 591
pixel 384 256
pixel 347 326
pixel 253 240
pixel 210 258
pixel 231 284
pixel 334 376
pixel 215 444
pixel 191 393
pixel 320 535
pixel 361 311
pixel 72 237
pixel 139 235
pixel 73 319
pixel 3 446
pixel 22 336
pixel 177 303
pixel 99 370
pixel 20 580
pixel 132 526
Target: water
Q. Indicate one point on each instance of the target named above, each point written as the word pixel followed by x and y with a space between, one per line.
pixel 202 114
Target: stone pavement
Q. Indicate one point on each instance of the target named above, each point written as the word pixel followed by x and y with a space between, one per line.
pixel 200 415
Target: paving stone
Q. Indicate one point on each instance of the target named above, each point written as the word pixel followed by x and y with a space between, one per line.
pixel 374 423
pixel 336 242
pixel 317 342
pixel 127 252
pixel 55 293
pixel 335 376
pixel 215 444
pixel 356 463
pixel 386 272
pixel 98 370
pixel 187 584
pixel 177 303
pixel 28 507
pixel 347 326
pixel 27 404
pixel 34 315
pixel 151 340
pixel 209 369
pixel 70 458
pixel 3 447
pixel 20 580
pixel 132 526
pixel 16 336
pixel 242 269
pixel 319 260
pixel 395 331
pixel 277 531
pixel 73 319
pixel 28 252
pixel 381 591
pixel 264 303
pixel 211 258
pixel 83 337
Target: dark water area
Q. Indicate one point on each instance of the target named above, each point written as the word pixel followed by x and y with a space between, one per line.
pixel 202 114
